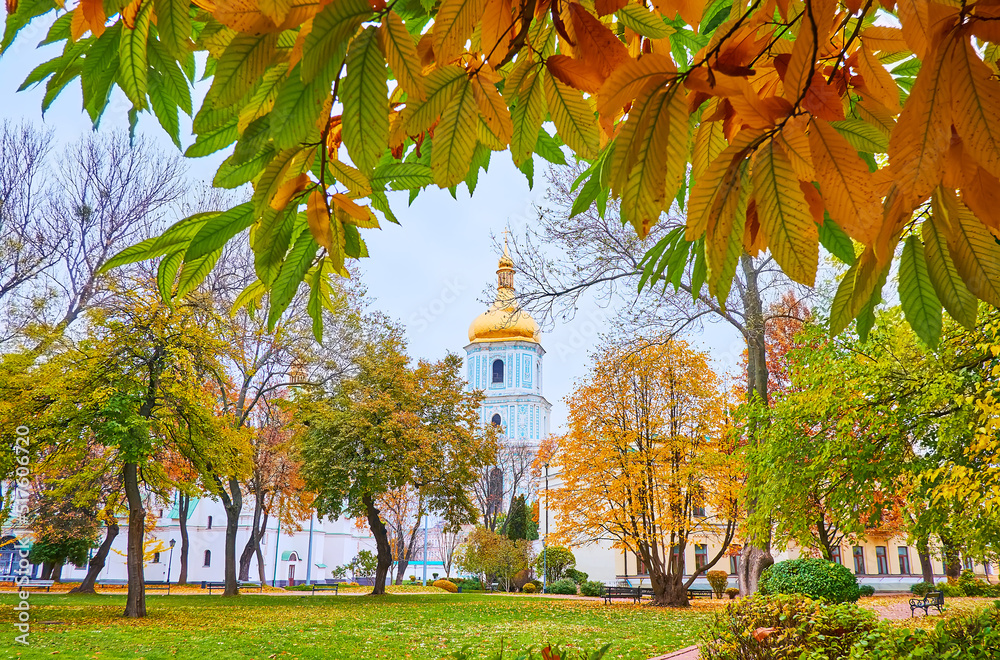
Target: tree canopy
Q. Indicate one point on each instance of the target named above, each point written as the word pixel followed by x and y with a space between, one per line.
pixel 775 125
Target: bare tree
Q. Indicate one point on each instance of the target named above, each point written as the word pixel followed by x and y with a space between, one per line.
pixel 563 258
pixel 402 510
pixel 99 196
pixel 500 482
pixel 446 545
pixel 27 245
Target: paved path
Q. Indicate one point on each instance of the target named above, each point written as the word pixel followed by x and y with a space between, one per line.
pixel 689 653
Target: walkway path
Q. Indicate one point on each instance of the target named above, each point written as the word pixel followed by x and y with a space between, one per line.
pixel 689 653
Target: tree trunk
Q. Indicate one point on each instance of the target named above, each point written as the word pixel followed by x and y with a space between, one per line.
pixel 97 562
pixel 253 541
pixel 46 571
pixel 260 553
pixel 183 504
pixel 924 553
pixel 381 543
pixel 135 602
pixel 825 542
pixel 756 554
pixel 57 571
pixel 669 590
pixel 952 557
pixel 233 504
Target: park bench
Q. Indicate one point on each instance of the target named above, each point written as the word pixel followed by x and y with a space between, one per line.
pixel 34 584
pixel 695 593
pixel 158 584
pixel 335 588
pixel 620 592
pixel 205 584
pixel 932 599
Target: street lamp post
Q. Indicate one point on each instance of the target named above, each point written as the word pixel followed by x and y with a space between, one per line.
pixel 545 539
pixel 170 558
pixel 425 550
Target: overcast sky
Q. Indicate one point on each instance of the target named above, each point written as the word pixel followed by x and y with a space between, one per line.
pixel 430 272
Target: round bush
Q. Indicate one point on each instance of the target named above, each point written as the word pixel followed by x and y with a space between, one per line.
pixel 732 592
pixel 447 585
pixel 866 591
pixel 528 588
pixel 718 580
pixel 816 578
pixel 786 626
pixel 592 588
pixel 564 586
pixel 921 588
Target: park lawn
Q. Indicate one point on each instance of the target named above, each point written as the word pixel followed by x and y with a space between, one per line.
pixel 394 626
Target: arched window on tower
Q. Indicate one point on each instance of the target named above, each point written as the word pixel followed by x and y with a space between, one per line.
pixel 496 420
pixel 497 371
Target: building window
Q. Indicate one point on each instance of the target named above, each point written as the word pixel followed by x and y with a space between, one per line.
pixel 882 559
pixel 734 564
pixel 700 555
pixel 640 566
pixel 156 557
pixel 208 558
pixel 967 564
pixel 498 371
pixel 904 560
pixel 835 555
pixel 677 560
pixel 210 522
pixel 859 560
pixel 496 420
pixel 699 505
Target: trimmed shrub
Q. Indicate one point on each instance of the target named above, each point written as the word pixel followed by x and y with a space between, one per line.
pixel 866 591
pixel 447 585
pixel 718 580
pixel 732 592
pixel 973 586
pixel 564 586
pixel 921 588
pixel 950 590
pixel 577 576
pixel 785 626
pixel 592 588
pixel 816 578
pixel 528 588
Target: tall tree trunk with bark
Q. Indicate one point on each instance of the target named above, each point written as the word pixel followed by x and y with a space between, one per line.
pixel 47 571
pixel 135 602
pixel 232 502
pixel 260 552
pixel 183 504
pixel 952 557
pixel 924 553
pixel 756 553
pixel 255 533
pixel 57 571
pixel 381 544
pixel 97 562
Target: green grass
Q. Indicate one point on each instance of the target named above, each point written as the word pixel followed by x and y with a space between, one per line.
pixel 394 626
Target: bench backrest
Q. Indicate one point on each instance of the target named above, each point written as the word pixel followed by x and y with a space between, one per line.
pixel 936 596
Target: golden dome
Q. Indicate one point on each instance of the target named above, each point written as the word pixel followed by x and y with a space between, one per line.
pixel 504 321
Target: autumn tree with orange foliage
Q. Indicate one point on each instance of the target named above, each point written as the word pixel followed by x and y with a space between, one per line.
pixel 647 443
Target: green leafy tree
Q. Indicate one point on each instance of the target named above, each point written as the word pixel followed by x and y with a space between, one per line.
pixel 517 519
pixel 393 425
pixel 134 386
pixel 554 562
